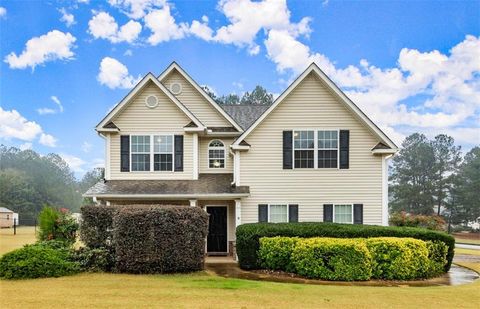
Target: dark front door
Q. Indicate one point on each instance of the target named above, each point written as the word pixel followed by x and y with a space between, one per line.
pixel 217 229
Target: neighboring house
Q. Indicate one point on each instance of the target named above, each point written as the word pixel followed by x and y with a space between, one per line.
pixel 6 217
pixel 312 155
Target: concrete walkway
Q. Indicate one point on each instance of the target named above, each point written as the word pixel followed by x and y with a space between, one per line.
pixel 465 246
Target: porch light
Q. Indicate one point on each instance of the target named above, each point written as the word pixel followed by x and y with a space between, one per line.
pixel 216 163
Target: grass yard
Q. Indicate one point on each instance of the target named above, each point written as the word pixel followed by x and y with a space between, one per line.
pixel 205 290
pixel 8 241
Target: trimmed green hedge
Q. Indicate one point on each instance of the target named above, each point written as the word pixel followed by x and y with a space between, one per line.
pixel 164 239
pixel 248 236
pixel 276 252
pixel 96 228
pixel 332 259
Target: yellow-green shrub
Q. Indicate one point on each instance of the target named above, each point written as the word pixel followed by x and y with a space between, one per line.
pixel 332 259
pixel 275 252
pixel 398 258
pixel 437 257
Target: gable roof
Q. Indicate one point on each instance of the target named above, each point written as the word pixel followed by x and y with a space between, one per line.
pixel 175 66
pixel 128 98
pixel 245 114
pixel 357 112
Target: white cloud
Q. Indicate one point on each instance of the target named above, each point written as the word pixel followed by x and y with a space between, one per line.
pixel 25 146
pixel 47 140
pixel 67 18
pixel 201 29
pixel 137 8
pixel 38 50
pixel 46 110
pixel 3 12
pixel 86 147
pixel 128 52
pixel 163 26
pixel 75 163
pixel 98 163
pixel 114 74
pixel 14 125
pixel 103 26
pixel 83 1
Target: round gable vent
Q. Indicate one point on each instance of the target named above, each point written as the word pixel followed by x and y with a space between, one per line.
pixel 151 101
pixel 176 88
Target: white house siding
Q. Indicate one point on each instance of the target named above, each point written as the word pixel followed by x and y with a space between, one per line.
pixel 195 102
pixel 311 105
pixel 203 156
pixel 137 118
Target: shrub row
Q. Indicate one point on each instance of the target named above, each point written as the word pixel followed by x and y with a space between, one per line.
pixel 248 236
pixel 388 258
pixel 144 239
pixel 403 218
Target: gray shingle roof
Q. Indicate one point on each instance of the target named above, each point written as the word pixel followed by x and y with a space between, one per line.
pixel 245 114
pixel 3 209
pixel 206 184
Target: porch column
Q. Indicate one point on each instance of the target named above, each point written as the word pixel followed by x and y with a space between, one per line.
pixel 195 156
pixel 193 203
pixel 238 212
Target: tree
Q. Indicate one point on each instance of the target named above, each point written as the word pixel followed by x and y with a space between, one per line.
pixel 413 176
pixel 229 99
pixel 89 179
pixel 258 96
pixel 447 159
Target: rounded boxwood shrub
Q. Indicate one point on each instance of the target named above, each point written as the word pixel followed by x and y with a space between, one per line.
pixel 94 259
pixel 160 239
pixel 275 252
pixel 398 258
pixel 332 259
pixel 248 236
pixel 37 261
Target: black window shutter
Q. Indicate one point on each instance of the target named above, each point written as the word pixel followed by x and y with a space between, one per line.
pixel 125 153
pixel 262 213
pixel 178 153
pixel 287 150
pixel 327 212
pixel 358 213
pixel 344 148
pixel 293 213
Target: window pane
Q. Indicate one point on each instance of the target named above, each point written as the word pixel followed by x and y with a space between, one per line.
pixel 162 162
pixel 327 158
pixel 140 162
pixel 327 139
pixel 141 143
pixel 304 158
pixel 343 214
pixel 216 163
pixel 216 155
pixel 303 140
pixel 162 143
pixel 278 213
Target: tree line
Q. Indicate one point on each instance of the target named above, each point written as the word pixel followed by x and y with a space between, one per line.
pixel 431 177
pixel 258 96
pixel 28 181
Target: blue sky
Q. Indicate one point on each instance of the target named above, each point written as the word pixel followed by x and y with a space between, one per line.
pixel 412 66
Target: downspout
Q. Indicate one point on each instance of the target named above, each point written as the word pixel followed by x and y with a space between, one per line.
pixel 234 169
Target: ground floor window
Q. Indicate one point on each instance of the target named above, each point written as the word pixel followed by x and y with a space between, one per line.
pixel 278 213
pixel 343 213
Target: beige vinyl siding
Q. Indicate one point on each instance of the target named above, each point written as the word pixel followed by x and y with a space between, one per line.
pixel 195 102
pixel 137 118
pixel 203 156
pixel 311 106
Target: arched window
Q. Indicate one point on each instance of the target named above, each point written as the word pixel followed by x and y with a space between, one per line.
pixel 216 154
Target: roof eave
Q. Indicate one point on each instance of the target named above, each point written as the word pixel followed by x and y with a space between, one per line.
pixel 216 196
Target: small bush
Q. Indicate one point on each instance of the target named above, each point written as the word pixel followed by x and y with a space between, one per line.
pixel 332 259
pixel 163 239
pixel 398 258
pixel 437 255
pixel 57 225
pixel 275 252
pixel 248 236
pixel 96 229
pixel 94 260
pixel 434 222
pixel 36 261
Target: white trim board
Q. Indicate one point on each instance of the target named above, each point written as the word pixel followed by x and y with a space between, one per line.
pixel 128 98
pixel 336 91
pixel 175 66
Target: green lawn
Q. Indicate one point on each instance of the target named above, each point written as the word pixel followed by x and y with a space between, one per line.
pixel 206 290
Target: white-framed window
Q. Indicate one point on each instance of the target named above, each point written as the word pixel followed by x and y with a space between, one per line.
pixel 162 152
pixel 327 149
pixel 343 213
pixel 277 213
pixel 303 148
pixel 140 152
pixel 216 154
pixel 315 148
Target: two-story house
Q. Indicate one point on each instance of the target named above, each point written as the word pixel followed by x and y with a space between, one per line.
pixel 312 155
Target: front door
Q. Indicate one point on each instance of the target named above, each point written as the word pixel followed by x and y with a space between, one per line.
pixel 217 229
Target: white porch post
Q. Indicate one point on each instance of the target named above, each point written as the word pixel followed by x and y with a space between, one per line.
pixel 238 212
pixel 385 190
pixel 193 203
pixel 195 155
pixel 236 168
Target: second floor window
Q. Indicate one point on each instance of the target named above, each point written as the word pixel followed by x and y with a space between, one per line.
pixel 303 145
pixel 140 153
pixel 216 154
pixel 315 149
pixel 327 149
pixel 162 153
